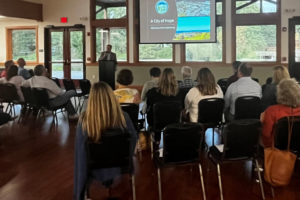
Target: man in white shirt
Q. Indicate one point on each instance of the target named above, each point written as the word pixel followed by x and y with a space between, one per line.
pixel 56 96
pixel 244 86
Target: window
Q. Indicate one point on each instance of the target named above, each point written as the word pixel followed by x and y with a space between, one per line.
pixel 117 37
pixel 22 43
pixel 155 52
pixel 256 29
pixel 256 43
pixel 209 52
pixel 206 52
pixel 109 26
pixel 256 6
pixel 110 10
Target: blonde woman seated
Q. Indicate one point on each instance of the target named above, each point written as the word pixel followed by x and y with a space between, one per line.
pixel 288 104
pixel 13 78
pixel 206 88
pixel 269 94
pixel 103 112
pixel 124 93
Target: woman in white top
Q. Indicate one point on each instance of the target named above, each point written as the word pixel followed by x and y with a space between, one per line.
pixel 13 78
pixel 206 88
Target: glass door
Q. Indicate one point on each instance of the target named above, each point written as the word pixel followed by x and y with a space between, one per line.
pixel 65 52
pixel 294 47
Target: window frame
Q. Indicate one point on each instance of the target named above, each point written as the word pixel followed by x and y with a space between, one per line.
pixel 220 21
pixel 106 24
pixel 9 42
pixel 252 19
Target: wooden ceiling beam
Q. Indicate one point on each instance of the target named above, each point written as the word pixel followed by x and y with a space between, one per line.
pixel 21 9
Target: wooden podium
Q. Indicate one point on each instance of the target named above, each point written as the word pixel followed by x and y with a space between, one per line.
pixel 107 70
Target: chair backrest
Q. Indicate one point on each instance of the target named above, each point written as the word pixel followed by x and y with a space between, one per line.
pixel 56 80
pixel 69 84
pixel 28 95
pixel 183 92
pixel 211 111
pixel 182 142
pixel 113 150
pixel 85 86
pixel 164 113
pixel 281 134
pixel 133 111
pixel 2 92
pixel 41 97
pixel 10 92
pixel 223 84
pixel 241 138
pixel 247 107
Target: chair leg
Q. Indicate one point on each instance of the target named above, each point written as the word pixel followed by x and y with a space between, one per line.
pixel 133 187
pixel 202 182
pixel 220 181
pixel 159 184
pixel 260 180
pixel 151 144
pixel 273 192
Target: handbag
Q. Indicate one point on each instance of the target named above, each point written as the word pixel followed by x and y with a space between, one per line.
pixel 279 164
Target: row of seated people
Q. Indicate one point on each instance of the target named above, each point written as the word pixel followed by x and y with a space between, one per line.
pixel 165 88
pixel 57 96
pixel 104 114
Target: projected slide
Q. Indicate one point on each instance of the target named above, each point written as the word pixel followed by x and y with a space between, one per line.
pixel 175 21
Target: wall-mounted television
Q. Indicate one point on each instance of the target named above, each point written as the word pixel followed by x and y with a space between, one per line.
pixel 177 21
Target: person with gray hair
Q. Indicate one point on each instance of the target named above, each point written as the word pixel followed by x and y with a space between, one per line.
pixel 288 104
pixel 57 97
pixel 21 70
pixel 187 81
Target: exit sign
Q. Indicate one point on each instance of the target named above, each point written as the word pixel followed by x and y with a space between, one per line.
pixel 63 20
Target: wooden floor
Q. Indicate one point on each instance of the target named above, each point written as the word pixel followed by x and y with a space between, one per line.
pixel 36 163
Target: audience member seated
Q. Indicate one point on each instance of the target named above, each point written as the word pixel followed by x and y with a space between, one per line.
pixel 155 74
pixel 12 77
pixel 167 90
pixel 244 86
pixel 268 82
pixel 187 82
pixel 56 96
pixel 7 64
pixel 124 93
pixel 234 77
pixel 288 104
pixel 103 112
pixel 206 88
pixel 269 93
pixel 22 71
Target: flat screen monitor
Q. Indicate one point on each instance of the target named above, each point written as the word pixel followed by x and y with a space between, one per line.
pixel 177 21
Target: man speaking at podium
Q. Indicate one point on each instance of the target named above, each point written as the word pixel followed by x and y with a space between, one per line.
pixel 108 66
pixel 108 54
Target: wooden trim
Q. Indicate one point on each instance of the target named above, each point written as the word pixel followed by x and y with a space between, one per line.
pixel 9 50
pixel 21 9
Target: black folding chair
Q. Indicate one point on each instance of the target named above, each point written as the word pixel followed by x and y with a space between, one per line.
pixel 183 92
pixel 223 84
pixel 69 85
pixel 113 150
pixel 247 107
pixel 85 86
pixel 181 146
pixel 11 97
pixel 41 99
pixel 164 113
pixel 210 113
pixel 241 140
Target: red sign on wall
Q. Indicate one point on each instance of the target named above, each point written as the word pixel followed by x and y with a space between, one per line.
pixel 63 20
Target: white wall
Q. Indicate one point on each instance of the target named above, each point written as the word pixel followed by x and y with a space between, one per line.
pixel 75 9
